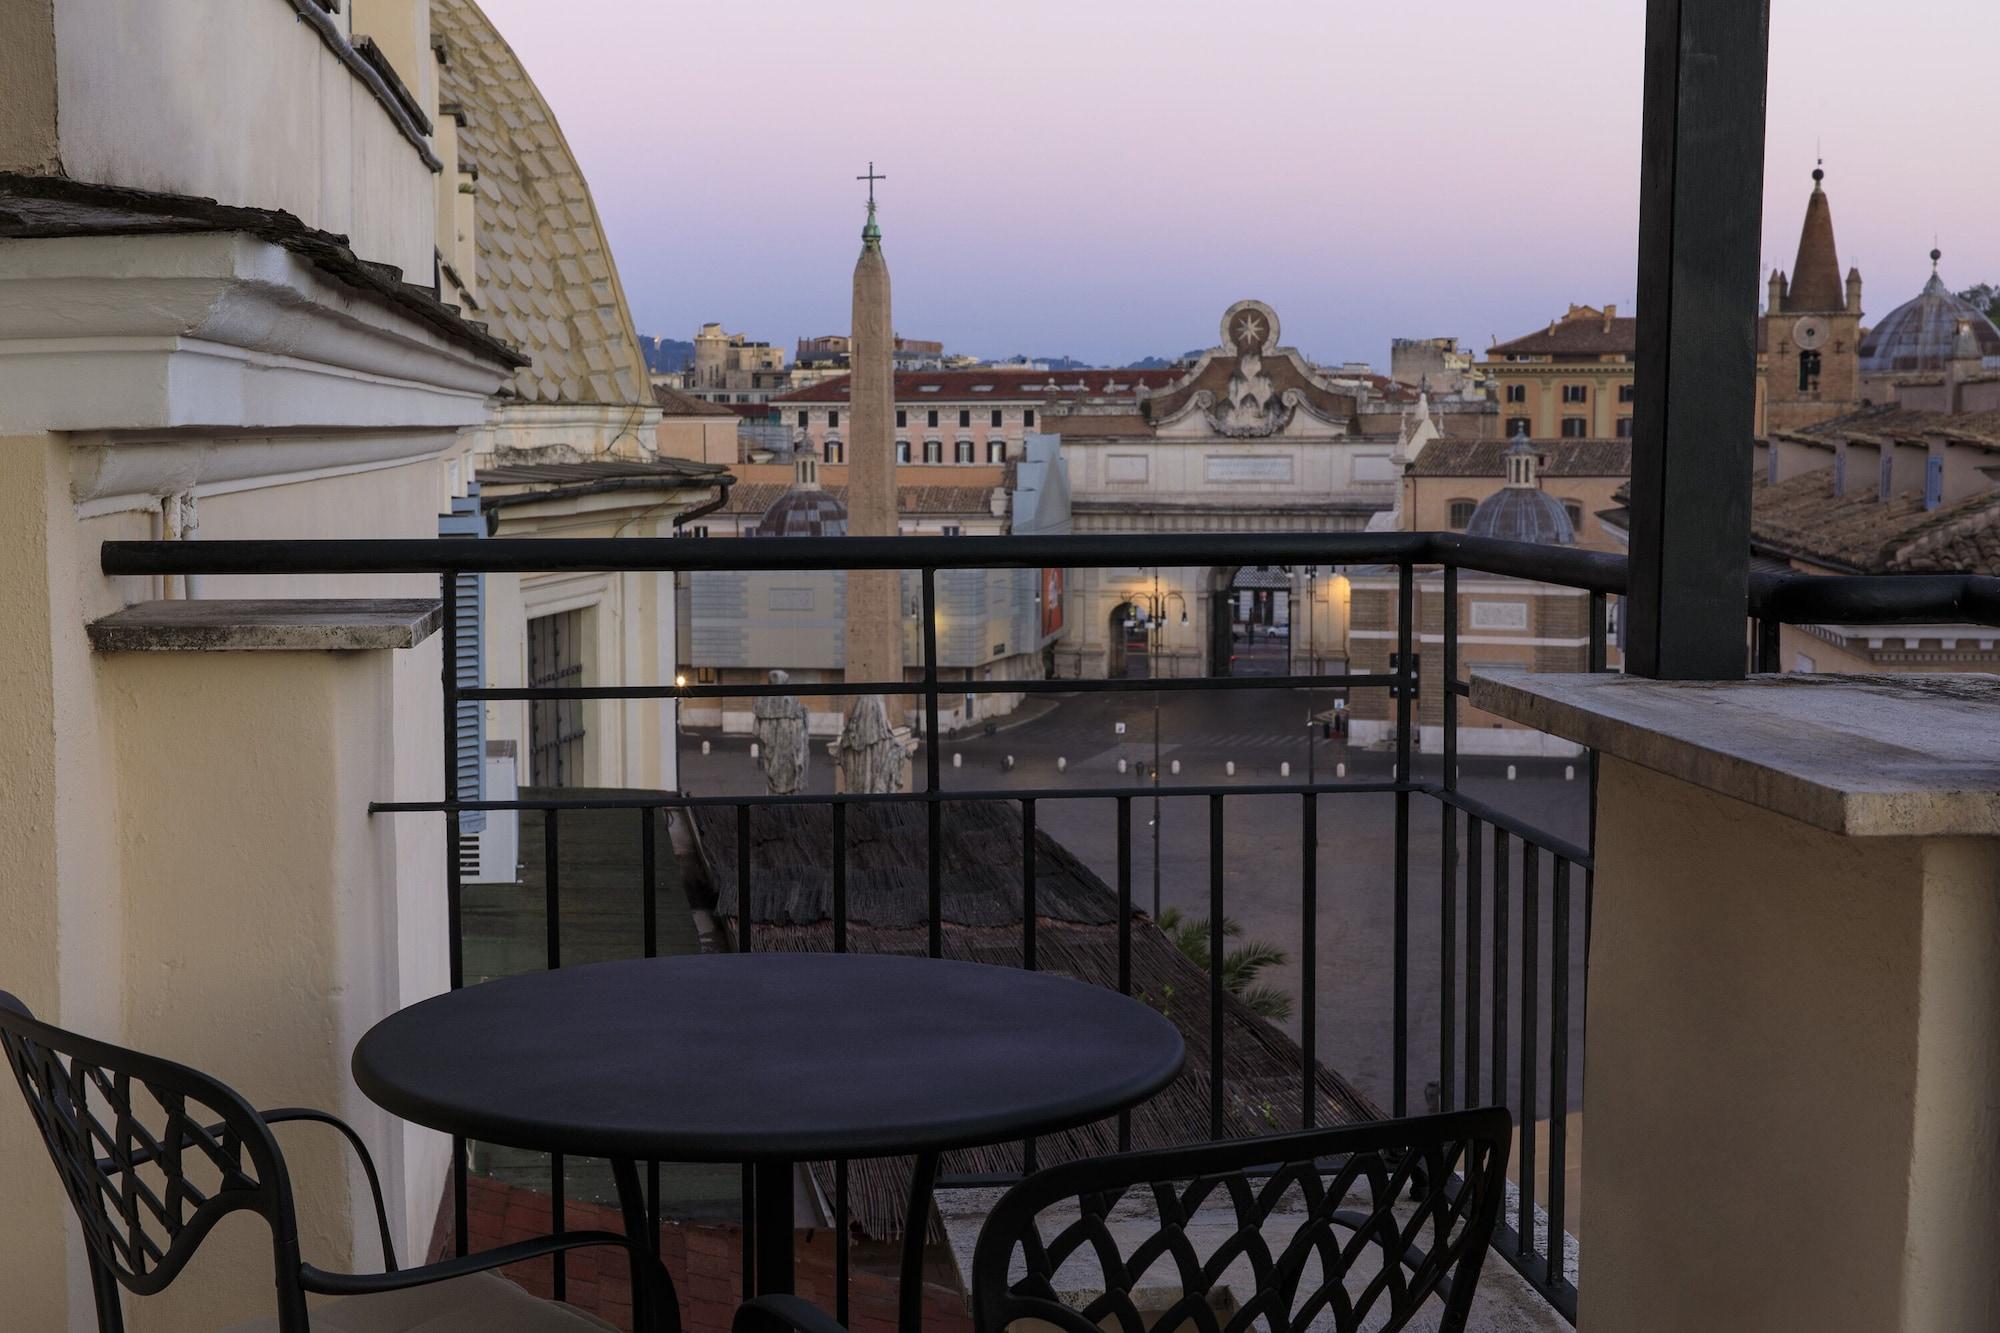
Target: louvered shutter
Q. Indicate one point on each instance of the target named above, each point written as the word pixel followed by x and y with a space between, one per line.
pixel 468 650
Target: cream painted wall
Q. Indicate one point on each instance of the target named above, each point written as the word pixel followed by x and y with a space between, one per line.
pixel 1792 1082
pixel 28 72
pixel 149 97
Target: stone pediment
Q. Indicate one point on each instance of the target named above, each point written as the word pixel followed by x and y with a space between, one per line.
pixel 1250 387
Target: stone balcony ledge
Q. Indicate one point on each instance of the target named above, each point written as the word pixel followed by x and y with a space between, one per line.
pixel 332 624
pixel 1862 756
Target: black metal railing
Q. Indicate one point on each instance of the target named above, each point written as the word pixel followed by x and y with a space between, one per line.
pixel 1514 902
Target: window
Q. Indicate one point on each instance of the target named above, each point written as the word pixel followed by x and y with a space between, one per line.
pixel 964 417
pixel 934 450
pixel 802 420
pixel 902 451
pixel 1575 512
pixel 836 452
pixel 833 421
pixel 1574 428
pixel 902 418
pixel 705 676
pixel 1517 393
pixel 1516 426
pixel 1808 372
pixel 996 451
pixel 1624 428
pixel 695 530
pixel 1028 418
pixel 468 654
pixel 1576 393
pixel 1627 393
pixel 964 451
pixel 951 530
pixel 1461 513
pixel 933 419
pixel 996 418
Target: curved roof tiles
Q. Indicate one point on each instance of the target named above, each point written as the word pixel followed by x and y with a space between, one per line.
pixel 546 278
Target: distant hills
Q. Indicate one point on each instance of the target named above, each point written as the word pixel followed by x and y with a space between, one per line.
pixel 666 354
pixel 1162 362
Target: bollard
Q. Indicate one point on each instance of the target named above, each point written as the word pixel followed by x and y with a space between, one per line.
pixel 753 749
pixel 1230 768
pixel 1285 769
pixel 1340 770
pixel 1510 772
pixel 957 760
pixel 1008 763
pixel 1177 766
pixel 1062 764
pixel 704 747
pixel 1121 765
pixel 1569 772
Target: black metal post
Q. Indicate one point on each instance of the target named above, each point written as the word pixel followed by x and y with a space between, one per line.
pixel 1700 217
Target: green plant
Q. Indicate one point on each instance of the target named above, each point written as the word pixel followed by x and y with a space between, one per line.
pixel 1241 963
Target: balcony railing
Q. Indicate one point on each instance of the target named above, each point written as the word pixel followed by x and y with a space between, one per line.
pixel 1512 907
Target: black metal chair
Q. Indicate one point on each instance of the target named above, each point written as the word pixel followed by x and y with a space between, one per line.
pixel 153 1154
pixel 1358 1227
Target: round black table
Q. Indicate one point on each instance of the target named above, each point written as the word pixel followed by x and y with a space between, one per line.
pixel 768 1058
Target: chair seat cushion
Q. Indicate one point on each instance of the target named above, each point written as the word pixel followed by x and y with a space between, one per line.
pixel 481 1303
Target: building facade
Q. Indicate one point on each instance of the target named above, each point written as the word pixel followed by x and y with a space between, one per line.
pixel 1572 380
pixel 1809 340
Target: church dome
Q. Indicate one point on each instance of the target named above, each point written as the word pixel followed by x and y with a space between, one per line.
pixel 1920 334
pixel 804 510
pixel 1521 511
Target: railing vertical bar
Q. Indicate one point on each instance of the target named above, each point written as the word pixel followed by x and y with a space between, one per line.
pixel 1599 661
pixel 454 882
pixel 1448 958
pixel 1558 1065
pixel 743 930
pixel 1400 962
pixel 1028 959
pixel 1124 935
pixel 1216 908
pixel 748 1233
pixel 1309 961
pixel 1473 980
pixel 933 798
pixel 1450 680
pixel 839 877
pixel 1501 964
pixel 1530 1025
pixel 552 939
pixel 649 875
pixel 842 1238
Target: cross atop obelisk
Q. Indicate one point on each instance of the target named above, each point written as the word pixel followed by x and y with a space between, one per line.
pixel 870 233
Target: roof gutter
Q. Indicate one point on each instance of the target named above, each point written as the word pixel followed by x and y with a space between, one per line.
pixel 603 487
pixel 722 485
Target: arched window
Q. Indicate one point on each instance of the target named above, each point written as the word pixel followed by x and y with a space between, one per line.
pixel 1461 513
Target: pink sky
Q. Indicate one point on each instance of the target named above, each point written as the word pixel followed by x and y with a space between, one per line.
pixel 1100 178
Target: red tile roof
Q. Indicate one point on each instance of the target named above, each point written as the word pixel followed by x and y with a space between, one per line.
pixel 1581 332
pixel 962 386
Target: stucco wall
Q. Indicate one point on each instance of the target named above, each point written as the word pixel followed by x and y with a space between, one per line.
pixel 243 103
pixel 28 73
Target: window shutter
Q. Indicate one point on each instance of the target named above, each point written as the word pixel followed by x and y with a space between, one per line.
pixel 468 650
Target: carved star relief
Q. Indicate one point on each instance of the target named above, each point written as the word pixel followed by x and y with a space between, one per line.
pixel 1249 331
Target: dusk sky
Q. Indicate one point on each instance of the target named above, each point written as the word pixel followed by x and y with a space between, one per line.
pixel 1100 178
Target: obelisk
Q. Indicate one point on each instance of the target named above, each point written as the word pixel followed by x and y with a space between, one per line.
pixel 874 597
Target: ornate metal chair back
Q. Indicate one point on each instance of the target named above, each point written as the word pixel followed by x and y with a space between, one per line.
pixel 1351 1228
pixel 152 1155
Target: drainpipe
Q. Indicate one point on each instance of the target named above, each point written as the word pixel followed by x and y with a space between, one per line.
pixel 722 485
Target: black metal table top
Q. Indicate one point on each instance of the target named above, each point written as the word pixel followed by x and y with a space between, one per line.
pixel 744 1057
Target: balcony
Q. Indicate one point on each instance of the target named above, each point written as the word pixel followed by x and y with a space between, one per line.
pixel 1444 968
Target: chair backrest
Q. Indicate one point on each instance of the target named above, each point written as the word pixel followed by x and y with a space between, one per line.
pixel 1354 1227
pixel 151 1153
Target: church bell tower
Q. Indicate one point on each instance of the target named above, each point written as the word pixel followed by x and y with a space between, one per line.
pixel 1812 330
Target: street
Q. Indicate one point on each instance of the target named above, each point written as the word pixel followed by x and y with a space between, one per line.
pixel 1257 731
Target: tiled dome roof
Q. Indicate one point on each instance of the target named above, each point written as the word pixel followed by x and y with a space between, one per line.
pixel 800 513
pixel 546 281
pixel 1521 511
pixel 1920 334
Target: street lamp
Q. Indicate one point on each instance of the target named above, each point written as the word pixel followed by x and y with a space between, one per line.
pixel 1151 615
